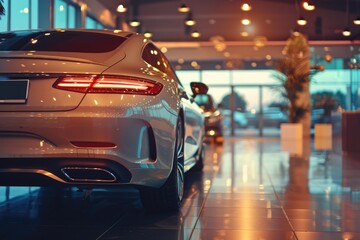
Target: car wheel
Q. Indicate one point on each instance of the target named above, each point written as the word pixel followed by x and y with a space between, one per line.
pixel 170 195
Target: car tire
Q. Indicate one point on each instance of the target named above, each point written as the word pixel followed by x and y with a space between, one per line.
pixel 170 195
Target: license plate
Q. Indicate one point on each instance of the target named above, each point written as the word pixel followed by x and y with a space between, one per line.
pixel 14 91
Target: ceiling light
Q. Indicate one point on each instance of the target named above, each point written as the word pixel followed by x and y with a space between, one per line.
pixel 356 21
pixel 244 34
pixel 121 8
pixel 296 32
pixel 308 6
pixel 134 23
pixel 183 8
pixel 301 21
pixel 346 32
pixel 189 21
pixel 195 34
pixel 245 7
pixel 148 34
pixel 245 21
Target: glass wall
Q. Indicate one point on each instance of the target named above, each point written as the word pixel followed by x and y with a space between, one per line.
pixel 4 19
pixel 23 15
pixel 60 14
pixel 92 23
pixel 261 103
pixel 65 14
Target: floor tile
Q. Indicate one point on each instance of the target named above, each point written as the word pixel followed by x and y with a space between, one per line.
pixel 223 234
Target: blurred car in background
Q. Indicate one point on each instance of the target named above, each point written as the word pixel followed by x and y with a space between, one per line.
pixel 271 117
pixel 213 117
pixel 239 118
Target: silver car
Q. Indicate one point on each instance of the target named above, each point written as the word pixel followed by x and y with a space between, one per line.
pixel 90 108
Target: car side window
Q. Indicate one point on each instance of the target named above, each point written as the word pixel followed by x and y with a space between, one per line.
pixel 153 56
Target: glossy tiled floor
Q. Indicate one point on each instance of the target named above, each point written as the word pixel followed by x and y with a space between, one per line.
pixel 250 189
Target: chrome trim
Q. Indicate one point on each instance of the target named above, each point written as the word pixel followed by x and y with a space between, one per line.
pixel 63 170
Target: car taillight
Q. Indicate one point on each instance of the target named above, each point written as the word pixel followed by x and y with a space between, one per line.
pixel 108 84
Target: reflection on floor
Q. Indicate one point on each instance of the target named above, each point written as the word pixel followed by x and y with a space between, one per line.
pixel 254 188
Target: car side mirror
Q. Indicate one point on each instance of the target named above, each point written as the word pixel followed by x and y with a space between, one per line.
pixel 198 88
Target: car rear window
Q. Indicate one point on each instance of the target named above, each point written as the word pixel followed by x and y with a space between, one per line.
pixel 60 41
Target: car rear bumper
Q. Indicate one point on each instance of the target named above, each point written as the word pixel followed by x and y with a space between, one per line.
pixel 40 148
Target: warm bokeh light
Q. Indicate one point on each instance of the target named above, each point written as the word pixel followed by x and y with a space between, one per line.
pixel 195 34
pixel 190 22
pixel 148 34
pixel 135 23
pixel 245 21
pixel 244 34
pixel 356 21
pixel 245 7
pixel 308 6
pixel 121 8
pixel 346 32
pixel 301 21
pixel 183 8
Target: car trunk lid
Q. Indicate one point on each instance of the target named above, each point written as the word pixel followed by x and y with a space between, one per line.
pixel 27 82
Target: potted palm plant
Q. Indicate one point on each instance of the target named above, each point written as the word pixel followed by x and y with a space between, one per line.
pixel 293 73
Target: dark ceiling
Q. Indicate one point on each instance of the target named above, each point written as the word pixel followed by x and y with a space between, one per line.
pixel 219 23
pixel 271 20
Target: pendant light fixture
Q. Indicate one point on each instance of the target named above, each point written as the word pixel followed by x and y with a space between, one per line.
pixel 134 22
pixel 346 32
pixel 195 34
pixel 356 21
pixel 189 21
pixel 183 8
pixel 135 13
pixel 308 5
pixel 245 6
pixel 148 34
pixel 121 8
pixel 301 21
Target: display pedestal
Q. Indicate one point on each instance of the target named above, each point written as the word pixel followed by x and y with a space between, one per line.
pixel 291 131
pixel 292 138
pixel 323 130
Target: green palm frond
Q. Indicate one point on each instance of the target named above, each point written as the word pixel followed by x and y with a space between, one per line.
pixel 2 9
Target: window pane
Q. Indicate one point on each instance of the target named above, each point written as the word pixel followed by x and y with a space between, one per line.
pixel 4 19
pixel 60 14
pixel 216 77
pixel 34 14
pixel 90 23
pixel 254 77
pixel 72 16
pixel 99 26
pixel 19 16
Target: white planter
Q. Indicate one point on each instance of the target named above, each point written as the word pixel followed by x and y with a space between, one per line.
pixel 291 131
pixel 323 130
pixel 323 143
